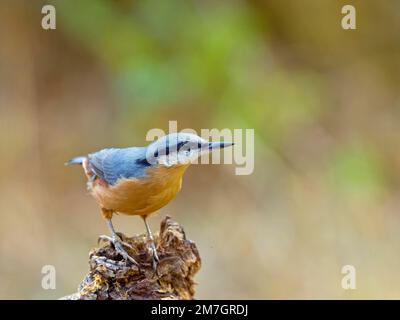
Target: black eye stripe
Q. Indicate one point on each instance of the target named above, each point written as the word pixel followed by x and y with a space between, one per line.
pixel 180 145
pixel 187 144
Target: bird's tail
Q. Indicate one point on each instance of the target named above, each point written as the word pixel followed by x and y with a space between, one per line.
pixel 76 160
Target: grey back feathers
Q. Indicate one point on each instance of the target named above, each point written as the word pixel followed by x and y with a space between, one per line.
pixel 114 164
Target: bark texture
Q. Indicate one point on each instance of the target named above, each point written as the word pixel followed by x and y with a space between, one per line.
pixel 112 277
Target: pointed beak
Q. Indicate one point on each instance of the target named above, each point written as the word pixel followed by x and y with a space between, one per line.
pixel 219 145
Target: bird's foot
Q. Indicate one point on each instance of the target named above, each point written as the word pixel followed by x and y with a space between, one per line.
pixel 119 247
pixel 154 256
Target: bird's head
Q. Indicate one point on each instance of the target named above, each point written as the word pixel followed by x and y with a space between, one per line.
pixel 180 149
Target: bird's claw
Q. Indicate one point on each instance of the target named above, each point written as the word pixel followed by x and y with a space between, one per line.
pixel 110 239
pixel 154 256
pixel 119 247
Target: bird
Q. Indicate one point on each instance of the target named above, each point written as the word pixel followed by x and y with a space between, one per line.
pixel 141 180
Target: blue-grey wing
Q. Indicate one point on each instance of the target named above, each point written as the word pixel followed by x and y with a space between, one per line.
pixel 114 164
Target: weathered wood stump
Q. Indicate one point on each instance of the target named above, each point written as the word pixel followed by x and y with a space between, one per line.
pixel 112 277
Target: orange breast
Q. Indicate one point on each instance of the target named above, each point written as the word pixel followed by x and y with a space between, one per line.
pixel 141 196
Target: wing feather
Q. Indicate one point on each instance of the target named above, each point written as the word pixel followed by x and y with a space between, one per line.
pixel 114 164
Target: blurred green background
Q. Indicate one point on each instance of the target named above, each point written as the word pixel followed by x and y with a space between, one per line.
pixel 324 103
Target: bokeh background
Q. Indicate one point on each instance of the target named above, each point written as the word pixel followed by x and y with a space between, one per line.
pixel 324 103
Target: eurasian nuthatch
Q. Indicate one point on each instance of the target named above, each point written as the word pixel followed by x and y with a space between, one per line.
pixel 141 180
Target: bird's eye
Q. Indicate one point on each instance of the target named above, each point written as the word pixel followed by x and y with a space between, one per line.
pixel 180 145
